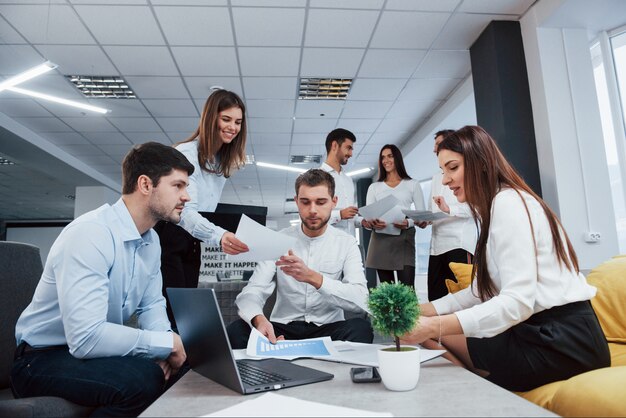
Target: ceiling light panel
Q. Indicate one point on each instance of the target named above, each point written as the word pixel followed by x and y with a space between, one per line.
pixel 305 159
pixel 107 87
pixel 4 161
pixel 324 88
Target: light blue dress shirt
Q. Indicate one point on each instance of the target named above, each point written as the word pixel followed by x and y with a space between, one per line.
pixel 100 271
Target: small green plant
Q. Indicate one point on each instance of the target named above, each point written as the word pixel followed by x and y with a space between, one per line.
pixel 394 309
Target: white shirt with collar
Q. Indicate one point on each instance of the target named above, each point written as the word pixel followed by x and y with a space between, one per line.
pixel 344 190
pixel 526 282
pixel 205 190
pixel 336 256
pixel 459 230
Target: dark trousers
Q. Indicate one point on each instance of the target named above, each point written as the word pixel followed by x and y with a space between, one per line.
pixel 354 329
pixel 439 271
pixel 180 260
pixel 114 386
pixel 405 276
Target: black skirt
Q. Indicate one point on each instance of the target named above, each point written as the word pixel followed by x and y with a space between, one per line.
pixel 551 345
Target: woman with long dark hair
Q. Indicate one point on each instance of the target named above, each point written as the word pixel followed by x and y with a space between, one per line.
pixel 526 320
pixel 393 253
pixel 216 149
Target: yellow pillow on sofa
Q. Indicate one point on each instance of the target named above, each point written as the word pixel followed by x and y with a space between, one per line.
pixel 610 279
pixel 462 273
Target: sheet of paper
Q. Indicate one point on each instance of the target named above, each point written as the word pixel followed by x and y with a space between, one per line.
pixel 264 243
pixel 260 347
pixel 425 215
pixel 394 215
pixel 367 354
pixel 378 208
pixel 274 405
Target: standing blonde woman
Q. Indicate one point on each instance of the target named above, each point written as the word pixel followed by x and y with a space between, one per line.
pixel 526 320
pixel 216 149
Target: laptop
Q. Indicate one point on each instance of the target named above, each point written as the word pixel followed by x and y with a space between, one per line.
pixel 204 336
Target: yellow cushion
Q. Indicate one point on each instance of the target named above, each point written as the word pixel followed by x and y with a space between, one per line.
pixel 610 279
pixel 542 395
pixel 618 354
pixel 596 393
pixel 462 273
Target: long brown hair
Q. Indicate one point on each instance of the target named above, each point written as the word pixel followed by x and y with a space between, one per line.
pixel 486 172
pixel 220 158
pixel 397 160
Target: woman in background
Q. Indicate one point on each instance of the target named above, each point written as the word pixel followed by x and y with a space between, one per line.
pixel 388 253
pixel 216 149
pixel 526 320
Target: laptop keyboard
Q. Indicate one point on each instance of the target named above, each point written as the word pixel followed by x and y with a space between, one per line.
pixel 252 375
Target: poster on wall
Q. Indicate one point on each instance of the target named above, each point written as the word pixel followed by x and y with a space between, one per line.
pixel 214 267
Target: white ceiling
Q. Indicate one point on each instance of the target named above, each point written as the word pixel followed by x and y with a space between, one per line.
pixel 406 57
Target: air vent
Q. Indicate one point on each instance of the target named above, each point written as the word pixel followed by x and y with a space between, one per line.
pixel 290 199
pixel 108 87
pixel 4 161
pixel 324 88
pixel 291 212
pixel 305 159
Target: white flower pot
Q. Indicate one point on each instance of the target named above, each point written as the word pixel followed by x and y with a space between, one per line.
pixel 400 370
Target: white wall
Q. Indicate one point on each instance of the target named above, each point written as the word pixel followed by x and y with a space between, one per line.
pixel 92 197
pixel 40 236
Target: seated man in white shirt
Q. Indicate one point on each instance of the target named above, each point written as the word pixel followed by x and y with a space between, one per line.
pixel 103 268
pixel 320 278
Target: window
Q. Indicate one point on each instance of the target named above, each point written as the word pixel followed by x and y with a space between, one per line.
pixel 614 149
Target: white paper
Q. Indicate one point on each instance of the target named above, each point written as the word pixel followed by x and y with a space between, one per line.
pixel 274 405
pixel 264 243
pixel 378 208
pixel 260 347
pixel 425 215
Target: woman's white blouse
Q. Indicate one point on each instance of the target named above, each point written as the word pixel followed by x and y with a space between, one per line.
pixel 205 190
pixel 526 283
pixel 408 192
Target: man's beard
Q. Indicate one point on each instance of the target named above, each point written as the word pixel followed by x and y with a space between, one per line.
pixel 321 225
pixel 160 213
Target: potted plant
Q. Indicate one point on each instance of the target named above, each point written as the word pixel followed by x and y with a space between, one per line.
pixel 395 310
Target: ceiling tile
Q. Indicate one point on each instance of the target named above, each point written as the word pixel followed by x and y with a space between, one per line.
pixel 428 88
pixel 315 108
pixel 44 124
pixel 142 60
pixel 339 28
pixel 269 3
pixel 158 87
pixel 135 124
pixel 200 87
pixel 86 124
pixel 259 139
pixel 121 25
pixel 18 58
pixel 269 61
pixel 178 124
pixel 141 137
pixel 463 29
pixel 270 87
pixel 309 149
pixel 423 5
pixel 8 34
pixel 116 150
pixel 398 124
pixel 270 150
pixel 330 62
pixel 366 109
pixel 269 125
pixel 79 59
pixel 98 160
pixel 390 63
pixel 270 108
pixel 64 138
pixel 171 108
pixel 109 138
pixel 387 138
pixel 122 107
pixel 516 7
pixel 268 26
pixel 358 125
pixel 81 149
pixel 347 4
pixel 53 24
pixel 114 1
pixel 22 108
pixel 196 25
pixel 414 109
pixel 307 139
pixel 376 89
pixel 408 29
pixel 60 110
pixel 444 64
pixel 205 61
pixel 318 125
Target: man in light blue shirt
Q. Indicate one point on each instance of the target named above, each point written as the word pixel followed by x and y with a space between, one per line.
pixel 103 268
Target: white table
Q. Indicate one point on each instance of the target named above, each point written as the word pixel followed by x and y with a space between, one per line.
pixel 443 390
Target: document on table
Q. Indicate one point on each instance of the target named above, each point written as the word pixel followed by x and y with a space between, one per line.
pixel 385 209
pixel 274 405
pixel 367 354
pixel 260 347
pixel 425 215
pixel 264 243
